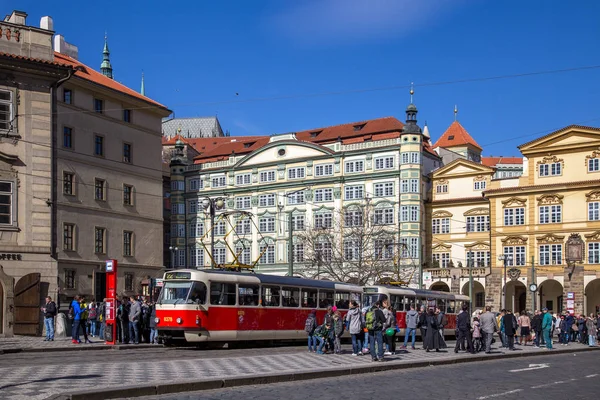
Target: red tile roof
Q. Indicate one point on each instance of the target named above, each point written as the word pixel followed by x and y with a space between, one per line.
pixel 96 77
pixel 204 145
pixel 493 161
pixel 454 136
pixel 39 60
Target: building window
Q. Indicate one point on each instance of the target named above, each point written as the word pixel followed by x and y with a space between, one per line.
pixel 218 181
pixel 69 237
pixel 354 166
pixel 266 200
pixel 384 162
pixel 479 258
pixel 552 169
pixel 440 226
pixel 196 257
pixel 180 258
pixel 322 195
pixel 414 247
pixel 479 299
pixel 127 115
pixel 514 216
pixel 353 217
pixel 443 259
pixel 441 189
pixel 323 220
pixel 298 252
pixel 266 224
pixel 6 109
pixel 404 158
pixel 550 214
pixel 178 208
pixel 594 165
pixel 268 253
pixel 242 203
pixel 551 254
pixel 99 240
pixel 67 96
pixel 384 216
pixel 243 253
pixel 384 249
pixel 267 176
pixel 324 170
pixel 480 185
pixel 127 152
pixel 99 106
pixel 68 183
pixel 128 195
pixel 69 279
pixel 100 189
pixel 594 253
pixel 128 244
pixel 414 157
pixel 296 173
pixel 99 145
pixel 67 137
pixel 323 252
pixel 478 223
pixel 404 213
pixel 220 228
pixel 243 227
pixel 128 281
pixel 517 256
pixel 594 211
pixel 193 206
pixel 414 213
pixel 354 192
pixel 243 179
pixel 384 189
pixel 351 250
pixel 298 222
pixel 414 186
pixel 178 186
pixel 296 198
pixel 195 184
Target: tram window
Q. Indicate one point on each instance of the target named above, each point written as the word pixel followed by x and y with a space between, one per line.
pixel 222 294
pixel 342 300
pixel 325 298
pixel 290 297
pixel 248 295
pixel 197 294
pixel 397 302
pixel 450 307
pixel 309 298
pixel 270 296
pixel 441 304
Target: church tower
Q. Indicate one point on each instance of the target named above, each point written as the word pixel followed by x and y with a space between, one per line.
pixel 106 67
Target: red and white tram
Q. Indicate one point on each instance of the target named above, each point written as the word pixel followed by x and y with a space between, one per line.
pixel 225 306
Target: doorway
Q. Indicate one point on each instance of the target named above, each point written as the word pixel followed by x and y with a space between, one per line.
pixel 99 286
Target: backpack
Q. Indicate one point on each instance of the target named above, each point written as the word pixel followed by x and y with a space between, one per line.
pixel 309 325
pixel 372 323
pixel 93 313
pixel 71 313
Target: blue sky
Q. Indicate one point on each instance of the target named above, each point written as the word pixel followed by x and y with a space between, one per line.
pixel 196 55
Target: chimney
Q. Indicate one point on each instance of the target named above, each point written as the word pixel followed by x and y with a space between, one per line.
pixel 47 23
pixel 17 17
pixel 63 47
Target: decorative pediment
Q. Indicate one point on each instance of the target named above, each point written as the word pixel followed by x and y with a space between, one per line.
pixel 549 159
pixel 595 154
pixel 462 167
pixel 514 202
pixel 479 178
pixel 441 248
pixel 593 237
pixel 441 182
pixel 441 214
pixel 514 240
pixel 548 199
pixel 551 238
pixel 477 211
pixel 477 246
pixel 594 195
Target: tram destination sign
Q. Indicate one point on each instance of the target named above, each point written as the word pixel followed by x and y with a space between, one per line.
pixel 178 275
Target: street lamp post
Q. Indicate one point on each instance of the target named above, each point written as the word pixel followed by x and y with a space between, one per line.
pixel 504 258
pixel 173 251
pixel 212 205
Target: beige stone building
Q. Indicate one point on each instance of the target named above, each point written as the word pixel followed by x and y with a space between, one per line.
pixel 82 181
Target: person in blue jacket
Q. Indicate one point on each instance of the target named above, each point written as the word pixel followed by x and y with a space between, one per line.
pixel 76 312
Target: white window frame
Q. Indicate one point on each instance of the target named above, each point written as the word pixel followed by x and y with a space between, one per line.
pixel 244 253
pixel 218 181
pixel 414 213
pixel 243 179
pixel 296 197
pixel 324 170
pixel 383 189
pixel 440 226
pixel 441 188
pixel 243 226
pixel 385 162
pixel 404 214
pixel 593 253
pixel 415 157
pixel 296 173
pixel 354 166
pixel 6 123
pixel 383 216
pixel 594 211
pixel 514 216
pixel 243 202
pixel 405 158
pixel 479 185
pixel 518 255
pixel 478 223
pixel 404 185
pixel 593 164
pixel 550 254
pixel 323 195
pixel 266 200
pixel 354 192
pixel 551 169
pixel 267 176
pixel 266 224
pixel 323 220
pixel 195 184
pixel 550 214
pixel 269 256
pixel 298 222
pixel 414 185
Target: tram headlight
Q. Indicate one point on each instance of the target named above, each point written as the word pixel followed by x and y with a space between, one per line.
pixel 157 320
pixel 179 320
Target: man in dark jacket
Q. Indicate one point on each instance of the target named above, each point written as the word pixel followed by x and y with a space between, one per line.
pixel 376 331
pixel 536 326
pixel 422 324
pixel 463 326
pixel 510 328
pixel 49 310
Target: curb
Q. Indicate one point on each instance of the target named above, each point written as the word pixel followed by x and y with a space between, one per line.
pixel 279 377
pixel 99 346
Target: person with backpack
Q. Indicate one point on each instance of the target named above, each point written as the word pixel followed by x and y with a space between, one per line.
pixel 390 323
pixel 338 331
pixel 102 318
pixel 93 318
pixel 374 321
pixel 75 316
pixel 354 319
pixel 322 336
pixel 49 310
pixel 309 327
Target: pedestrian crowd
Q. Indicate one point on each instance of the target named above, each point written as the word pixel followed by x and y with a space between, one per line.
pixel 373 329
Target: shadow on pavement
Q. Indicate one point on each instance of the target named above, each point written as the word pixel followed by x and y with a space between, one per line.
pixel 51 379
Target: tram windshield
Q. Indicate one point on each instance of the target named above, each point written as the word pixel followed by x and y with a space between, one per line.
pixel 183 293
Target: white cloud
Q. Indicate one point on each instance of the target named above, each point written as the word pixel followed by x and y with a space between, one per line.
pixel 327 21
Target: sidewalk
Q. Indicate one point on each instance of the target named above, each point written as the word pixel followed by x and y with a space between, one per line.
pixel 20 344
pixel 103 380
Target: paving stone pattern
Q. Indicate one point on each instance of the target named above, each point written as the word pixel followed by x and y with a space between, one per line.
pixel 33 382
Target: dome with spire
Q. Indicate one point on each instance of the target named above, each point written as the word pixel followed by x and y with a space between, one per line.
pixel 106 67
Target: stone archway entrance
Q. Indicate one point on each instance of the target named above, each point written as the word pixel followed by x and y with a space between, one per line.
pixel 550 295
pixel 27 303
pixel 478 295
pixel 516 296
pixel 440 286
pixel 592 297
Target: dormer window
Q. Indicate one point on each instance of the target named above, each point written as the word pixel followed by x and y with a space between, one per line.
pixel 451 137
pixel 247 145
pixel 315 134
pixel 358 127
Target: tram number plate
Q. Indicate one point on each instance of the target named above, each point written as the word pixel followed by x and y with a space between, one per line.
pixel 168 319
